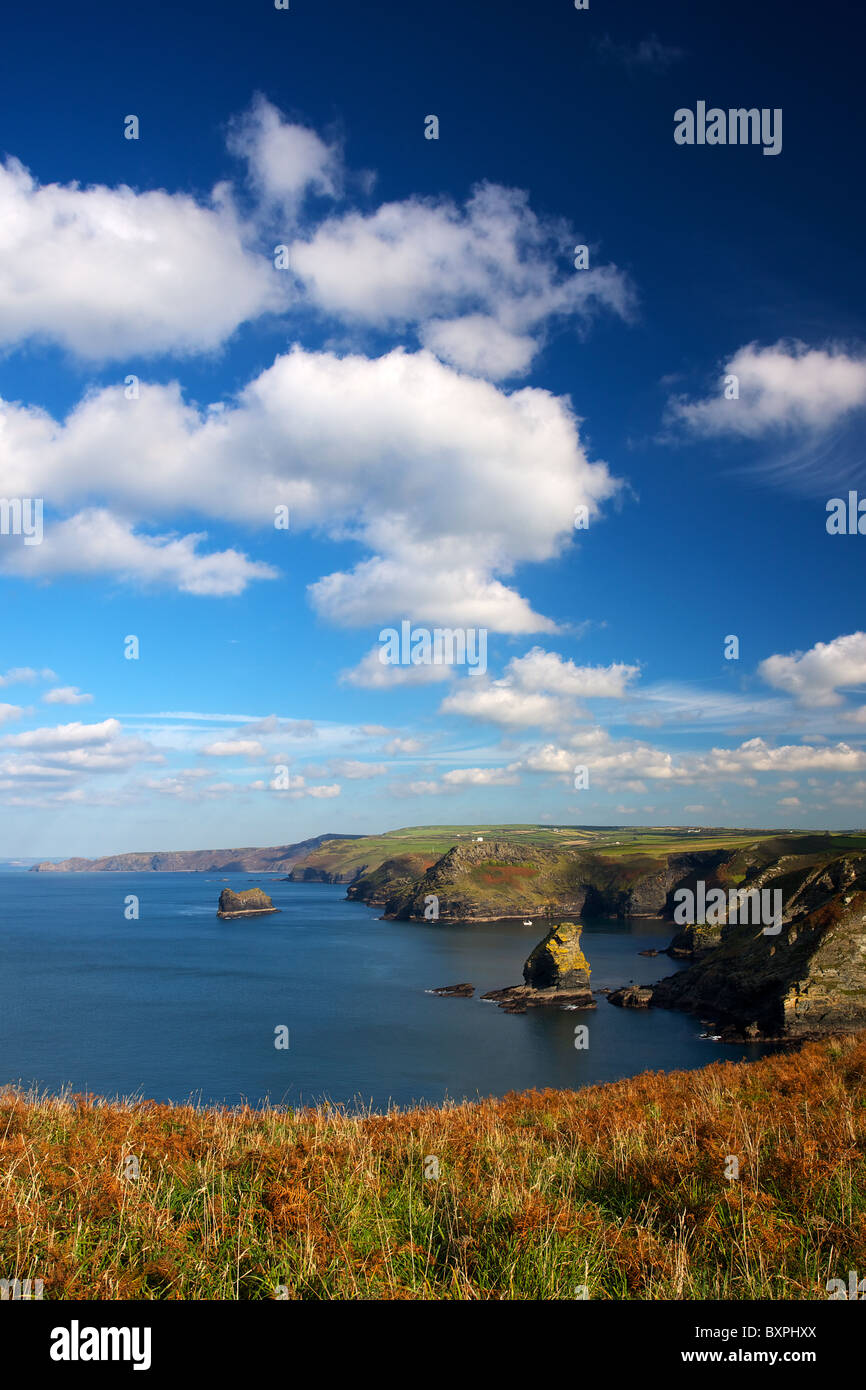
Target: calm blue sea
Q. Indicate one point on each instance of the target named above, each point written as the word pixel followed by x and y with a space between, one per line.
pixel 181 1005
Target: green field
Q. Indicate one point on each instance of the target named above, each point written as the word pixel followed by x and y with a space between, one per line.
pixel 347 857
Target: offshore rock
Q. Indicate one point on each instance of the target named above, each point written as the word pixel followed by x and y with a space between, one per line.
pixel 631 997
pixel 558 961
pixel 252 902
pixel 516 999
pixel 556 975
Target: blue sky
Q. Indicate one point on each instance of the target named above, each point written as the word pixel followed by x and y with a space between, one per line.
pixel 431 387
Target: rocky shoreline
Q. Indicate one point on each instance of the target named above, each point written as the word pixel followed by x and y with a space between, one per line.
pixel 803 977
pixel 799 980
pixel 516 999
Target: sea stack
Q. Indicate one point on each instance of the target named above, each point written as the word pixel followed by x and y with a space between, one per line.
pixel 252 902
pixel 558 961
pixel 556 973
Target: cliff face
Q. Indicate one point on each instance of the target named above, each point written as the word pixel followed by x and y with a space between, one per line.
pixel 307 874
pixel 395 878
pixel 746 870
pixel 809 978
pixel 495 879
pixel 487 881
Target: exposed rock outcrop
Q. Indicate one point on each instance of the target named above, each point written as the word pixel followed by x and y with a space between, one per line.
pixel 516 999
pixel 391 880
pixel 631 997
pixel 498 879
pixel 252 902
pixel 490 881
pixel 695 940
pixel 454 991
pixel 307 874
pixel 556 974
pixel 558 961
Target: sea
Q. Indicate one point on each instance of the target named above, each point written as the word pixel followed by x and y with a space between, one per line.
pixel 178 1005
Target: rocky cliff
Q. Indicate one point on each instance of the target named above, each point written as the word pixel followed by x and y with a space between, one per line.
pixel 394 879
pixel 485 882
pixel 806 979
pixel 496 879
pixel 305 873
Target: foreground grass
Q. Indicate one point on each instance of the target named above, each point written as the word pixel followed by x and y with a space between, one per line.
pixel 618 1188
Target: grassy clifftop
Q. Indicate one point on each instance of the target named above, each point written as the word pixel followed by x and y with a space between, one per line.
pixel 502 878
pixel 624 1190
pixel 344 861
pixel 551 872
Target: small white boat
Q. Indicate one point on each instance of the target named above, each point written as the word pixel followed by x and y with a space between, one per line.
pixel 527 922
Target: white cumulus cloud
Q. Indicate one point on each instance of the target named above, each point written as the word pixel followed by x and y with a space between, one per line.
pixel 479 282
pixel 96 542
pixel 66 695
pixel 815 677
pixel 399 452
pixel 786 386
pixel 538 689
pixel 110 273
